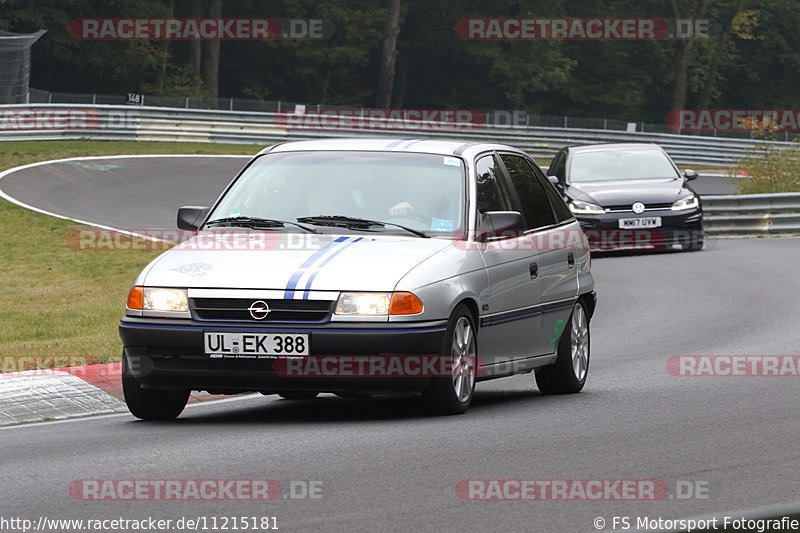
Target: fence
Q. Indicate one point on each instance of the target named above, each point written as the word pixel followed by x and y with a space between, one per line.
pixel 121 122
pixel 531 120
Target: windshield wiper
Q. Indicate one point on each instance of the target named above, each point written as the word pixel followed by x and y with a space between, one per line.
pixel 355 222
pixel 257 222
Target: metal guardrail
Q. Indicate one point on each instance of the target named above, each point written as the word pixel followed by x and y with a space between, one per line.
pixel 752 213
pixel 109 122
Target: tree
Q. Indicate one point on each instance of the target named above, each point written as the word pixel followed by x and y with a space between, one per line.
pixel 212 49
pixel 383 97
pixel 196 46
pixel 691 10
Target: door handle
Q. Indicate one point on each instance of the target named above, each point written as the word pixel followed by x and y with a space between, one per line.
pixel 571 259
pixel 534 269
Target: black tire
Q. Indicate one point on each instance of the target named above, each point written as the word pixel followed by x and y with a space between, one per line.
pixel 440 396
pixel 560 377
pixel 298 395
pixel 151 404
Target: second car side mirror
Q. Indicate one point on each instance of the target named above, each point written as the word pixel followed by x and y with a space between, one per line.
pixel 556 181
pixel 690 174
pixel 191 216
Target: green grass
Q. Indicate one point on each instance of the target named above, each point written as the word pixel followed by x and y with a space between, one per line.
pixel 55 300
pixel 771 170
pixel 16 153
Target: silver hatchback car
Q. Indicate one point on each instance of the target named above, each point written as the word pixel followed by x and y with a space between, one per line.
pixel 362 267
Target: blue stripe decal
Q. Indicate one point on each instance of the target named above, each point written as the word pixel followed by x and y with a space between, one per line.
pixel 415 141
pixel 322 265
pixel 305 330
pixel 393 144
pixel 289 292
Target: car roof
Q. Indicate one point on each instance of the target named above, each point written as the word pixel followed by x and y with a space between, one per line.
pixel 387 144
pixel 610 147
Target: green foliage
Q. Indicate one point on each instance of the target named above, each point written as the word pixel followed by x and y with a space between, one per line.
pixel 772 170
pixel 757 65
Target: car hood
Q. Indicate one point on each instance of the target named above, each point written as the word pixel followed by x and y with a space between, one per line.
pixel 624 192
pixel 291 262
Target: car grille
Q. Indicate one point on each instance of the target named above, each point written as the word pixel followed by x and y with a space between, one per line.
pixel 628 208
pixel 236 309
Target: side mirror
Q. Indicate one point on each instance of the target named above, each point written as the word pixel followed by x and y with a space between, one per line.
pixel 690 174
pixel 502 224
pixel 191 216
pixel 555 181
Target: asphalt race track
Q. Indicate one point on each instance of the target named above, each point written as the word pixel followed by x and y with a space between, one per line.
pixel 118 192
pixel 383 467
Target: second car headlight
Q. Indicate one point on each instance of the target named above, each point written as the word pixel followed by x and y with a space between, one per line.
pixel 164 299
pixel 685 203
pixel 579 207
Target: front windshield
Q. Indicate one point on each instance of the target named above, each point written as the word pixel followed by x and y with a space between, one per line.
pixel 620 165
pixel 420 191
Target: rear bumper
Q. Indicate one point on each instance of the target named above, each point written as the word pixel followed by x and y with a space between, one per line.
pixel 169 354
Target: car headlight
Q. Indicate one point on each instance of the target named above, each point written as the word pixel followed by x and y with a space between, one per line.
pixel 377 304
pixel 688 202
pixel 158 299
pixel 585 208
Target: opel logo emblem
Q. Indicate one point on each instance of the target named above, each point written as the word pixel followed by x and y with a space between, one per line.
pixel 259 310
pixel 638 208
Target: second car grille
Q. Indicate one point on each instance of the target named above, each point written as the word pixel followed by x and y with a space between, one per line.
pixel 628 208
pixel 237 309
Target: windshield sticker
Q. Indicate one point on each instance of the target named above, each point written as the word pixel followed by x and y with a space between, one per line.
pixel 358 199
pixel 441 224
pixel 193 269
pixel 452 161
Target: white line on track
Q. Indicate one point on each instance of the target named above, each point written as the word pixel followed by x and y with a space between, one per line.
pixel 238 398
pixel 13 200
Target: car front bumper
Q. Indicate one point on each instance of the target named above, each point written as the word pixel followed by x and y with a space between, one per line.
pixel 169 354
pixel 604 232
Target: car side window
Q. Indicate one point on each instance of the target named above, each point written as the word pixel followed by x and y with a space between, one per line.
pixel 559 205
pixel 532 196
pixel 558 167
pixel 493 194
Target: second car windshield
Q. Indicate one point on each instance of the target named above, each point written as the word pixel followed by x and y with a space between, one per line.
pixel 419 191
pixel 620 165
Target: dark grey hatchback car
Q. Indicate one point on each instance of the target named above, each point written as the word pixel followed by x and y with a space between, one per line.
pixel 629 196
